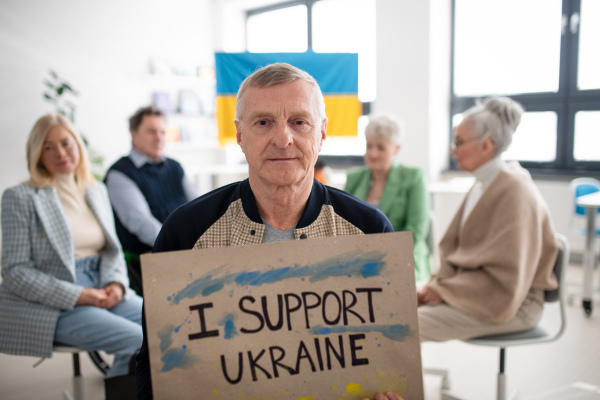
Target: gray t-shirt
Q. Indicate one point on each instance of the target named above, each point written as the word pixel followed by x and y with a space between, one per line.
pixel 273 234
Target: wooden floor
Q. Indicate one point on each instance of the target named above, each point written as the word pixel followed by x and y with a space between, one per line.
pixel 566 369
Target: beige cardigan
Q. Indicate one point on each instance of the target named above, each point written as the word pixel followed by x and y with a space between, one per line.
pixel 505 248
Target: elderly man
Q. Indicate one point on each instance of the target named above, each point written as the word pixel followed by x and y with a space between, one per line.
pixel 145 187
pixel 281 126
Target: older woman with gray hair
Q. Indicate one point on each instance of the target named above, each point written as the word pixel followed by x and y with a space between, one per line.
pixel 498 252
pixel 398 191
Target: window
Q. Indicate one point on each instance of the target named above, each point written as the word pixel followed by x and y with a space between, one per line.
pixel 324 26
pixel 543 54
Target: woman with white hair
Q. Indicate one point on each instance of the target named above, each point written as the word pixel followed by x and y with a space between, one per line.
pixel 498 253
pixel 64 278
pixel 398 191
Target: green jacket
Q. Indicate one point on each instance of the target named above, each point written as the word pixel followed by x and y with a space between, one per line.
pixel 405 202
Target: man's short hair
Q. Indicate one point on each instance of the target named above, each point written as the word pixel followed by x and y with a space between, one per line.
pixel 136 119
pixel 275 74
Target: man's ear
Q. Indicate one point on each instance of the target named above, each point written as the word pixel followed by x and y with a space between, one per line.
pixel 323 132
pixel 238 133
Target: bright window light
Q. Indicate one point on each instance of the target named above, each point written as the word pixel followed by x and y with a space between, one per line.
pixel 283 30
pixel 507 47
pixel 589 51
pixel 587 136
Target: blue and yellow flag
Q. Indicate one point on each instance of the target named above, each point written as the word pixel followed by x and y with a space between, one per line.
pixel 336 73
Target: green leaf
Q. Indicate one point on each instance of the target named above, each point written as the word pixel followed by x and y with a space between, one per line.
pixel 48 97
pixel 59 90
pixel 50 85
pixel 53 74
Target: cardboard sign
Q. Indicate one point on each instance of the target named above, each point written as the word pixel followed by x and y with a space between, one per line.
pixel 328 318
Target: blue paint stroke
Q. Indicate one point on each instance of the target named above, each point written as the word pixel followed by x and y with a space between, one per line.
pixel 396 332
pixel 228 323
pixel 165 337
pixel 354 264
pixel 176 358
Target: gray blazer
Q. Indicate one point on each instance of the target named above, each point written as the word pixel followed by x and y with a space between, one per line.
pixel 38 265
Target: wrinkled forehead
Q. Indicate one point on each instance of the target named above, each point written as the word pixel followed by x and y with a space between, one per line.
pixel 291 98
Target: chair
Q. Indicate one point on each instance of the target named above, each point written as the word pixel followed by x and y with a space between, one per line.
pixel 532 336
pixel 581 187
pixel 97 360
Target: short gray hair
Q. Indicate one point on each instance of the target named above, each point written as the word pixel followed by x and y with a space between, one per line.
pixel 496 118
pixel 387 127
pixel 275 74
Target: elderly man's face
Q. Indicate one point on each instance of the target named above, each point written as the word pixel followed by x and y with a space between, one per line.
pixel 281 133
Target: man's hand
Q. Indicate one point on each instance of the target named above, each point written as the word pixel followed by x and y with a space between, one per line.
pixel 428 296
pixel 114 295
pixel 387 396
pixel 91 297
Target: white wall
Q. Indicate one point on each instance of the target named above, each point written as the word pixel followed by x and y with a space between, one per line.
pixel 413 76
pixel 103 49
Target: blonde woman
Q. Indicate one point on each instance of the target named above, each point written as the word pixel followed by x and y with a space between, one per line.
pixel 63 273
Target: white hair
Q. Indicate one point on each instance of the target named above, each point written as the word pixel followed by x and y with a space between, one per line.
pixel 275 74
pixel 387 127
pixel 496 118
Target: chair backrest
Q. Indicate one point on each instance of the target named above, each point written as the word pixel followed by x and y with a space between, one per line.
pixel 560 267
pixel 560 270
pixel 581 187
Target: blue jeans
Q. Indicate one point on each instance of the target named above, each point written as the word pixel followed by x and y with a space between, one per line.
pixel 116 331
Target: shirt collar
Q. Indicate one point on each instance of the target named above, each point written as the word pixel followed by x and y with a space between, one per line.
pixel 138 159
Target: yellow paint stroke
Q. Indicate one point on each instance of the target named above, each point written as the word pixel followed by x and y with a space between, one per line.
pixel 393 383
pixel 353 388
pixel 215 392
pixel 306 398
pixel 334 388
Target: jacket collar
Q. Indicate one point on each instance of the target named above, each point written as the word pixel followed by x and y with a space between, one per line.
pixel 318 197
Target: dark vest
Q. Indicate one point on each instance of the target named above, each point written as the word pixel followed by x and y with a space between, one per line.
pixel 161 186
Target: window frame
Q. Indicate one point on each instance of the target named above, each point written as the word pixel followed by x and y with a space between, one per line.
pixel 565 102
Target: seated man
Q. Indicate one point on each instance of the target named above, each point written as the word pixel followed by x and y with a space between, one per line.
pixel 281 126
pixel 145 187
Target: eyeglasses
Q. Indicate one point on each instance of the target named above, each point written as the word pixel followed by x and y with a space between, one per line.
pixel 457 143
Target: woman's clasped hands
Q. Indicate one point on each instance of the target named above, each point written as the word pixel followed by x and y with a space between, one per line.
pixel 107 298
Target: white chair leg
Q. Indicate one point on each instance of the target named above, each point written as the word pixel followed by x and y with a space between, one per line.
pixel 78 387
pixel 501 387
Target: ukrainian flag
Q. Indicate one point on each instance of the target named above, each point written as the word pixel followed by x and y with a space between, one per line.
pixel 336 73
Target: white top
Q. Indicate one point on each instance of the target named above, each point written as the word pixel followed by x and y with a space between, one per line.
pixel 88 237
pixel 484 175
